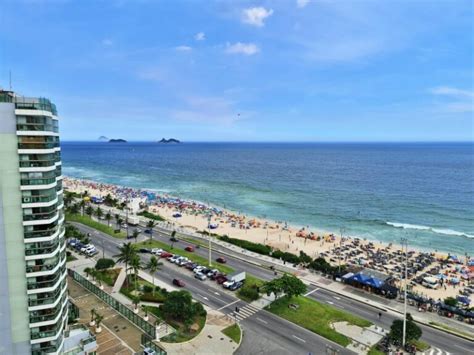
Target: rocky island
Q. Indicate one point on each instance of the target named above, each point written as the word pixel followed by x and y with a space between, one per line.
pixel 117 140
pixel 167 141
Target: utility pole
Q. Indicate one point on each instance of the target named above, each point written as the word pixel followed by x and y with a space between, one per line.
pixel 209 236
pixel 342 230
pixel 405 241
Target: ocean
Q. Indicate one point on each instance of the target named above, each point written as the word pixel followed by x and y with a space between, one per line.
pixel 378 191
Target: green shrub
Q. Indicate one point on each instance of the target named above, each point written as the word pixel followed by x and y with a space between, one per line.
pixel 104 263
pixel 249 293
pixel 147 288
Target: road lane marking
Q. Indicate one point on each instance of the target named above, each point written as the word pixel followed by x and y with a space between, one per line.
pixel 229 304
pixel 330 302
pixel 337 298
pixel 261 320
pixel 310 292
pixel 294 336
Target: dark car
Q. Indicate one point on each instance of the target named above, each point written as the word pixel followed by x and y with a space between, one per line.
pixel 165 255
pixel 173 239
pixel 220 279
pixel 147 231
pixel 144 250
pixel 189 248
pixel 190 265
pixel 78 246
pixel 235 286
pixel 221 260
pixel 178 282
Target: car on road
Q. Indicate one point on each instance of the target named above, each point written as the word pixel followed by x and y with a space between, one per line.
pixel 144 250
pixel 221 260
pixel 189 248
pixel 178 282
pixel 235 286
pixel 148 231
pixel 200 276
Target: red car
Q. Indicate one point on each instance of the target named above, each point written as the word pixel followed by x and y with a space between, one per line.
pixel 220 279
pixel 165 255
pixel 178 282
pixel 189 248
pixel 221 260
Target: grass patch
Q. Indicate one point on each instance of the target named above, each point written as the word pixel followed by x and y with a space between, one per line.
pixel 195 241
pixel 233 332
pixel 374 351
pixel 94 224
pixel 452 330
pixel 149 215
pixel 420 345
pixel 182 332
pixel 250 290
pixel 70 258
pixel 316 317
pixel 145 290
pixel 108 276
pixel 178 250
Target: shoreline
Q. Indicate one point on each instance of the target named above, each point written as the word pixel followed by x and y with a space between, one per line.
pixel 292 228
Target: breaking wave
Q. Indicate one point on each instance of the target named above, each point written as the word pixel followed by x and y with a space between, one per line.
pixel 431 229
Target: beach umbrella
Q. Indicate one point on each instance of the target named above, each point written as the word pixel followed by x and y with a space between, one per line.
pixel 454 280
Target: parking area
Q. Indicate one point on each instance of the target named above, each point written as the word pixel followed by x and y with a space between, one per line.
pixel 118 336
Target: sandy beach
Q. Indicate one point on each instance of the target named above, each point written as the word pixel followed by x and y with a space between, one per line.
pixel 385 258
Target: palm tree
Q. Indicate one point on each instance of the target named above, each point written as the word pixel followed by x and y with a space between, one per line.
pixel 127 252
pixel 99 213
pixel 82 204
pixel 119 222
pixel 98 321
pixel 135 234
pixel 117 218
pixel 153 266
pixel 93 314
pixel 173 238
pixel 89 211
pixel 68 199
pixel 135 266
pixel 150 225
pixel 74 209
pixel 108 217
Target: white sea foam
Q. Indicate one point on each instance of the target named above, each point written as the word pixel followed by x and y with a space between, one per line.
pixel 427 228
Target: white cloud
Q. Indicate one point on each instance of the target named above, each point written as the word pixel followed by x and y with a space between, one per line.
pixel 302 3
pixel 450 91
pixel 462 100
pixel 200 36
pixel 183 48
pixel 107 42
pixel 256 16
pixel 242 48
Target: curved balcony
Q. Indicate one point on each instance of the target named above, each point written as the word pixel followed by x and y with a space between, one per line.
pixel 50 233
pixel 48 315
pixel 46 269
pixel 37 222
pixel 51 284
pixel 41 215
pixel 44 250
pixel 45 181
pixel 46 299
pixel 36 163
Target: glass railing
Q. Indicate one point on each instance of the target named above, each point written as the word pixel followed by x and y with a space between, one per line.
pixel 36 163
pixel 47 314
pixel 38 181
pixel 35 104
pixel 39 216
pixel 52 263
pixel 50 282
pixel 36 127
pixel 50 347
pixel 36 199
pixel 47 298
pixel 40 250
pixel 37 145
pixel 40 233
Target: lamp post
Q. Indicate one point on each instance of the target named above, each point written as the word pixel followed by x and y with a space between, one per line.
pixel 209 236
pixel 405 241
pixel 342 230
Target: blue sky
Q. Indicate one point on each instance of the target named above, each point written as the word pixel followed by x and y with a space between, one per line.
pixel 205 70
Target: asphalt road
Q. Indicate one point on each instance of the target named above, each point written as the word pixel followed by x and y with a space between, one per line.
pixel 439 339
pixel 264 332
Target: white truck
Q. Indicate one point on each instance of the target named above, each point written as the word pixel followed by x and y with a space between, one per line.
pixel 133 220
pixel 237 277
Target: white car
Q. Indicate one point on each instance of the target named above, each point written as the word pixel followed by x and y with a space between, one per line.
pixel 156 251
pixel 200 276
pixel 91 251
pixel 182 261
pixel 175 258
pixel 198 269
pixel 85 247
pixel 227 284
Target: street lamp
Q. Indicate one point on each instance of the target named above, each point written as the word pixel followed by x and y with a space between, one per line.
pixel 342 230
pixel 209 236
pixel 405 241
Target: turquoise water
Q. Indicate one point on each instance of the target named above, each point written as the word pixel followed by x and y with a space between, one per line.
pixel 377 191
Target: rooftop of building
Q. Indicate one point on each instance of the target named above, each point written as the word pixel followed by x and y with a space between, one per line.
pixel 28 103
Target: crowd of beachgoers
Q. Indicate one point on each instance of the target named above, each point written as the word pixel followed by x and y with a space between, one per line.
pixel 447 275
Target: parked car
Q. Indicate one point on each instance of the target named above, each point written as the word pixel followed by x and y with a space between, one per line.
pixel 78 246
pixel 221 260
pixel 174 259
pixel 157 251
pixel 198 269
pixel 235 286
pixel 221 279
pixel 190 265
pixel 72 242
pixel 178 282
pixel 144 250
pixel 182 261
pixel 212 272
pixel 91 252
pixel 166 255
pixel 228 284
pixel 189 248
pixel 83 249
pixel 200 276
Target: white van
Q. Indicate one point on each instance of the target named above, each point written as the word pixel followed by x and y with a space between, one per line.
pixel 430 282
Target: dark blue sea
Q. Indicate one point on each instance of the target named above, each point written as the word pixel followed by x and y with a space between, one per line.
pixel 423 191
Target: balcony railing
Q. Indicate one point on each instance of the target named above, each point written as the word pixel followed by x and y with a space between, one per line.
pixel 34 284
pixel 48 298
pixel 26 182
pixel 39 216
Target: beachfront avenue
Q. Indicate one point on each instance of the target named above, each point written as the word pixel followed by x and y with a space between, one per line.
pixel 261 327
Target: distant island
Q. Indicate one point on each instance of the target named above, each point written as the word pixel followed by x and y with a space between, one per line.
pixel 103 139
pixel 167 141
pixel 117 141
